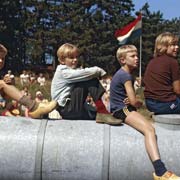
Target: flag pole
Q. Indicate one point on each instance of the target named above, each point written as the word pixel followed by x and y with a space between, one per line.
pixel 140 56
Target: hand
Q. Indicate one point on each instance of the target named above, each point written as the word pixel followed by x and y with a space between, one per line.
pixel 7 79
pixel 126 101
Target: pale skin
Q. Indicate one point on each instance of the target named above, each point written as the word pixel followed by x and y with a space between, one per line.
pixel 5 88
pixel 172 50
pixel 71 61
pixel 135 119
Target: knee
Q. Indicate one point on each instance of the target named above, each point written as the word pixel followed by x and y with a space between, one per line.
pixel 151 130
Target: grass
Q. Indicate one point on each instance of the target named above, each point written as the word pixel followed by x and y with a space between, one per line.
pixel 34 87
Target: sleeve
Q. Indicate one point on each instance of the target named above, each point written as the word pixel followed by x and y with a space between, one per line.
pixel 175 71
pixel 126 77
pixel 77 75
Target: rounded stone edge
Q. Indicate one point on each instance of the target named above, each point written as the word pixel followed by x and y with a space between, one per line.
pixel 173 119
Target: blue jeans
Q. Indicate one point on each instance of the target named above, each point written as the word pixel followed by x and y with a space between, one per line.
pixel 159 107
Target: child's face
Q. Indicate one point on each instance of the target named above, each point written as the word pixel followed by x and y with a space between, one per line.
pixel 131 60
pixel 2 59
pixel 71 61
pixel 172 50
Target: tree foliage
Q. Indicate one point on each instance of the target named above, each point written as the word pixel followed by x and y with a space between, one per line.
pixel 11 29
pixel 33 30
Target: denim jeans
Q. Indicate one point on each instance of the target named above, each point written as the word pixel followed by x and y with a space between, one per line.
pixel 159 107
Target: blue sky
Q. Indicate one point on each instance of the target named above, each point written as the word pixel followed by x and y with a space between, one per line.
pixel 169 8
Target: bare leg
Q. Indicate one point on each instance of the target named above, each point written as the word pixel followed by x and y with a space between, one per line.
pixel 137 121
pixel 10 90
pixel 36 109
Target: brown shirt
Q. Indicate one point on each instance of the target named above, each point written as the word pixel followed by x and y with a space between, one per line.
pixel 159 76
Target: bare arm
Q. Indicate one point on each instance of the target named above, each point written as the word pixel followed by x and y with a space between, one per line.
pixel 176 87
pixel 131 95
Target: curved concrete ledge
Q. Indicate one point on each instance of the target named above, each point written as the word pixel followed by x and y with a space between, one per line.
pixel 79 150
pixel 168 121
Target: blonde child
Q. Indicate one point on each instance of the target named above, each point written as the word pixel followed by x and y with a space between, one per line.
pixel 71 86
pixel 162 76
pixel 123 104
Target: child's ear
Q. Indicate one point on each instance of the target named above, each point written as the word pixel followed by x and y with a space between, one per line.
pixel 122 60
pixel 62 62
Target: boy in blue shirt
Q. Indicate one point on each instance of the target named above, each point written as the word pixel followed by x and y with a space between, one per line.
pixel 123 104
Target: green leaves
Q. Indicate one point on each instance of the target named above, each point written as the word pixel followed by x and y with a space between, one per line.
pixel 33 30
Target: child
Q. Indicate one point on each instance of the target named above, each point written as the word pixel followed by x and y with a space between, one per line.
pixel 71 86
pixel 123 104
pixel 36 110
pixel 162 77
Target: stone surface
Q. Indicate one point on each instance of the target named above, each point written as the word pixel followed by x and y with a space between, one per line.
pixel 80 150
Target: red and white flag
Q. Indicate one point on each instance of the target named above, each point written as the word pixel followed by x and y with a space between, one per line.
pixel 129 31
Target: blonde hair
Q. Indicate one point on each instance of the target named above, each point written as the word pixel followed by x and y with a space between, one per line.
pixel 3 50
pixel 163 41
pixel 66 50
pixel 123 50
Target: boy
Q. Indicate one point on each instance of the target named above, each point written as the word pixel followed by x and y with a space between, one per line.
pixel 162 76
pixel 123 104
pixel 36 110
pixel 71 86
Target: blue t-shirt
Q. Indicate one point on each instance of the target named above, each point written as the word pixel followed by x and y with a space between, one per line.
pixel 117 89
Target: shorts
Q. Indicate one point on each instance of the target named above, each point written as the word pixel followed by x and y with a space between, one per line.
pixel 122 113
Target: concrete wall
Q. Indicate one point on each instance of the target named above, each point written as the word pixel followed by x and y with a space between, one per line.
pixel 80 150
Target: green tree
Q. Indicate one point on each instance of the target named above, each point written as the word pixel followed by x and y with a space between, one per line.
pixel 172 26
pixel 33 30
pixel 37 27
pixel 152 24
pixel 91 26
pixel 11 32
